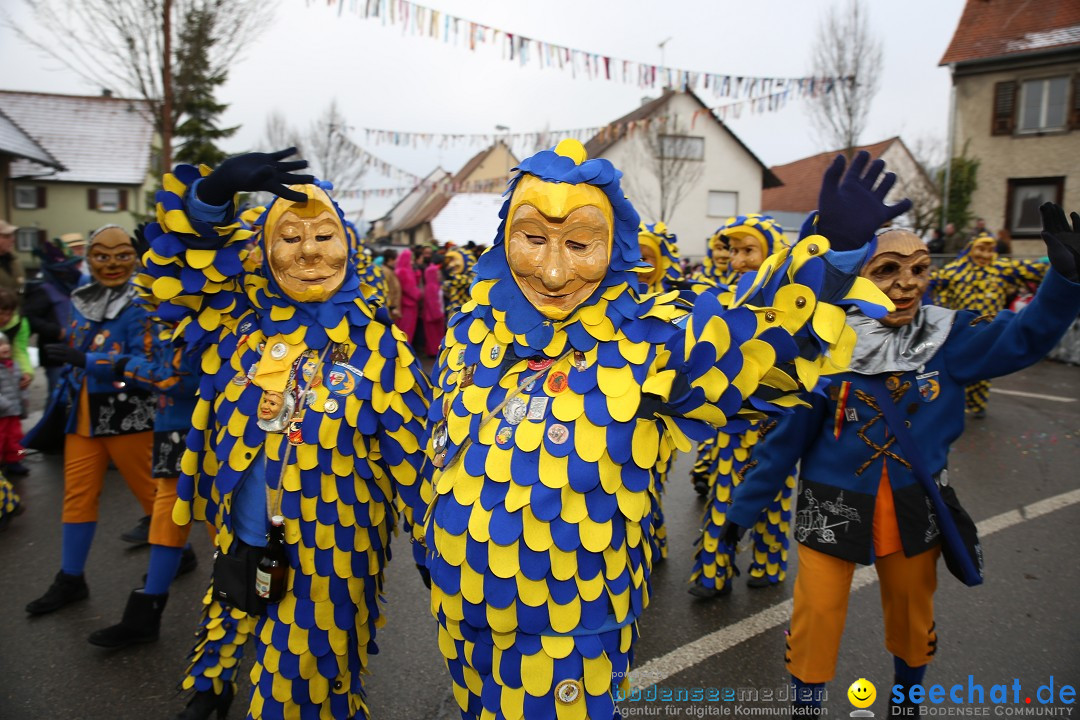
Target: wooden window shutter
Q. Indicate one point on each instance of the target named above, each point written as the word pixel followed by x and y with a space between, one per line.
pixel 40 196
pixel 123 199
pixel 1004 118
pixel 91 199
pixel 42 236
pixel 1075 121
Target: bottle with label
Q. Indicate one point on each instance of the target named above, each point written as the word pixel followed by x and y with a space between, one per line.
pixel 272 574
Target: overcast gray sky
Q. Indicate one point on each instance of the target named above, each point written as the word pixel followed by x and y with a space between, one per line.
pixel 309 54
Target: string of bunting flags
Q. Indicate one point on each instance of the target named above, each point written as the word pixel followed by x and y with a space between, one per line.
pixel 546 138
pixel 421 20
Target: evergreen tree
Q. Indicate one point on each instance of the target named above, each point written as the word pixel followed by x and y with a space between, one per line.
pixel 195 83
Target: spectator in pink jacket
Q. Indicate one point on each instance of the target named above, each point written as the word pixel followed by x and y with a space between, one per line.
pixel 410 293
pixel 433 313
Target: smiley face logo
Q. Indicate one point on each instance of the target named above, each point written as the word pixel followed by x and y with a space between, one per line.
pixel 862 693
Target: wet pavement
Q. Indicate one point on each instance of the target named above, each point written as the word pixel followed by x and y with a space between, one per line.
pixel 1020 625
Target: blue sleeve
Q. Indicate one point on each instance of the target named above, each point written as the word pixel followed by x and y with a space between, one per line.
pixel 167 371
pixel 775 456
pixel 1013 340
pixel 198 210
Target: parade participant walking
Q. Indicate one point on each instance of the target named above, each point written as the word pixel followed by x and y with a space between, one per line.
pixel 173 378
pixel 860 501
pixel 722 460
pixel 458 268
pixel 983 283
pixel 716 266
pixel 432 309
pixel 554 392
pixel 307 428
pixel 409 282
pixel 107 420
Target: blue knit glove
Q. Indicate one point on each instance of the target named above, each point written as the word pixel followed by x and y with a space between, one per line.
pixel 852 209
pixel 251 172
pixel 1062 241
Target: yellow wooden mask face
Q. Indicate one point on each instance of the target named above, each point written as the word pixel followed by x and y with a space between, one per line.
pixel 650 253
pixel 306 246
pixel 558 243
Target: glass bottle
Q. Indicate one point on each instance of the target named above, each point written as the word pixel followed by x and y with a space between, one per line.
pixel 272 573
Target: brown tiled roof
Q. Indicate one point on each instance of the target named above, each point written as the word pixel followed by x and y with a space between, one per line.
pixel 474 162
pixel 802 180
pixel 995 28
pixel 615 131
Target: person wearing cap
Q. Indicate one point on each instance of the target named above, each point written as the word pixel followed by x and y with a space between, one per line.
pixel 108 419
pixel 722 460
pixel 859 499
pixel 982 282
pixel 12 275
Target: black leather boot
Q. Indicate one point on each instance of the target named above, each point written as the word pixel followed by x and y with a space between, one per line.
pixel 204 703
pixel 65 589
pixel 140 534
pixel 141 622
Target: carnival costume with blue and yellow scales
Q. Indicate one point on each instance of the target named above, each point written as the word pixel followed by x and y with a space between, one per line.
pixel 723 459
pixel 667 277
pixel 984 289
pixel 456 286
pixel 546 432
pixel 710 271
pixel 344 465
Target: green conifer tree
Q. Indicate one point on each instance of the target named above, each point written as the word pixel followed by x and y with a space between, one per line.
pixel 197 110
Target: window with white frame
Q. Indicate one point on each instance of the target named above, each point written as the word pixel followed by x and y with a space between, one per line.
pixel 108 199
pixel 723 203
pixel 26 197
pixel 26 239
pixel 1044 104
pixel 682 147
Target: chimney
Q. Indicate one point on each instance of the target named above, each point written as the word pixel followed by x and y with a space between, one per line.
pixel 106 92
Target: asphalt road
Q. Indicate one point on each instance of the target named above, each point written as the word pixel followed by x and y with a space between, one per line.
pixel 1021 625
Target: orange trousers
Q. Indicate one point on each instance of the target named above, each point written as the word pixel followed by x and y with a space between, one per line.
pixel 163 531
pixel 87 458
pixel 822 587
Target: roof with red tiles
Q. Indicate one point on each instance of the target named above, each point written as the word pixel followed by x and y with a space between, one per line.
pixel 990 29
pixel 802 180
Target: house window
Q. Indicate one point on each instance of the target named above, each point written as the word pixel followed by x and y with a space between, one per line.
pixel 29 197
pixel 723 203
pixel 1024 198
pixel 106 199
pixel 1043 104
pixel 682 147
pixel 26 239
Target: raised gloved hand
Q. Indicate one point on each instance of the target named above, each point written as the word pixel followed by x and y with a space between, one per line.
pixel 851 209
pixel 251 172
pixel 57 354
pixel 1062 241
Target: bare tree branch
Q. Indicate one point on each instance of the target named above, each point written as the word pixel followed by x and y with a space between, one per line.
pixel 119 45
pixel 664 154
pixel 844 48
